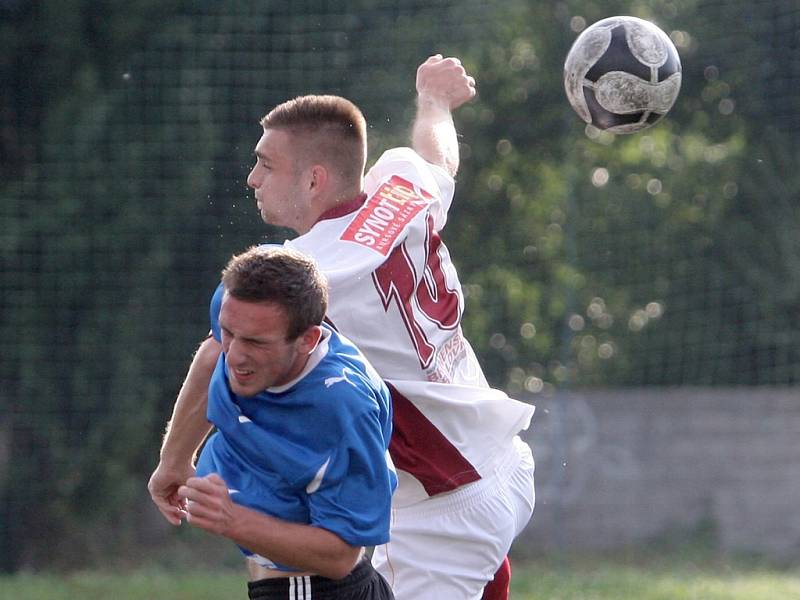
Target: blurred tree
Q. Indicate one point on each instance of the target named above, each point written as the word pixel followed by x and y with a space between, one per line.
pixel 602 260
pixel 75 324
pixel 126 132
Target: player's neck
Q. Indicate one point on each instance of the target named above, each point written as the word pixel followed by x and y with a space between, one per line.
pixel 344 196
pixel 335 205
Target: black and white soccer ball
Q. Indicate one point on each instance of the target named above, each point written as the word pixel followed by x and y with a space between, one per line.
pixel 622 74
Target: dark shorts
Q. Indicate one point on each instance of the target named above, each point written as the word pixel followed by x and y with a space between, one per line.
pixel 363 583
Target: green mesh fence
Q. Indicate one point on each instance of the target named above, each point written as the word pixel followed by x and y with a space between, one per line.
pixel 126 134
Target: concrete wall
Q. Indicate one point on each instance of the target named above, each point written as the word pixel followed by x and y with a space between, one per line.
pixel 626 466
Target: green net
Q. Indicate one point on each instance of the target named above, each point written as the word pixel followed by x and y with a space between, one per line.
pixel 665 258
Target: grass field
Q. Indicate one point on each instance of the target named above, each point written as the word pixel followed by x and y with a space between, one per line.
pixel 599 580
pixel 675 578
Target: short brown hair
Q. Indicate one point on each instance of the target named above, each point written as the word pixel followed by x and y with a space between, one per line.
pixel 280 275
pixel 332 130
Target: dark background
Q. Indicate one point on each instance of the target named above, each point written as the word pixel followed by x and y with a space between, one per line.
pixel 665 258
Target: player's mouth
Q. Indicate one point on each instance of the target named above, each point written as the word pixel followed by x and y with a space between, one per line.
pixel 243 376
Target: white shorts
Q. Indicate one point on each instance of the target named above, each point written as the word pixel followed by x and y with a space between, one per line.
pixel 450 546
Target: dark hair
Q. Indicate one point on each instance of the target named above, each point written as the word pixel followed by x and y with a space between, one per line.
pixel 280 275
pixel 329 129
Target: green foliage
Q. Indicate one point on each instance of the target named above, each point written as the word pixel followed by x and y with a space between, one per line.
pixel 663 258
pixel 86 281
pixel 630 249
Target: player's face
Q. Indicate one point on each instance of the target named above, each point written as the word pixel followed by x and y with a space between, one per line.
pixel 257 352
pixel 277 180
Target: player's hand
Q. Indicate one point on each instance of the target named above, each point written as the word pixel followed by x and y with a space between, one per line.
pixel 208 503
pixel 163 487
pixel 444 82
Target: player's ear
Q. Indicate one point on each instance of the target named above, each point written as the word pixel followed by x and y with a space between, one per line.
pixel 318 178
pixel 309 339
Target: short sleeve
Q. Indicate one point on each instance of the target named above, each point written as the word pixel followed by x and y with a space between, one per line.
pixel 354 497
pixel 406 163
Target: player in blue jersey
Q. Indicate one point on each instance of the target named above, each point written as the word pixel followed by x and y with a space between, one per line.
pixel 297 473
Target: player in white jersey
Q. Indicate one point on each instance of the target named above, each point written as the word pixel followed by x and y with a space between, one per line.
pixel 465 478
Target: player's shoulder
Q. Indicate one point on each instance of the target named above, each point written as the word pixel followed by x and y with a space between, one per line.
pixel 407 165
pixel 403 155
pixel 347 372
pixel 399 153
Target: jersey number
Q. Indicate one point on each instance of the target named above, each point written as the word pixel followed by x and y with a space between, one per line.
pixel 421 299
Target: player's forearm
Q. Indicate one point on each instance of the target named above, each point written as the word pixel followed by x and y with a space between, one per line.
pixel 304 547
pixel 189 426
pixel 433 135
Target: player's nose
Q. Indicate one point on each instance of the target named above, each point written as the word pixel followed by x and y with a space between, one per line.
pixel 252 178
pixel 234 355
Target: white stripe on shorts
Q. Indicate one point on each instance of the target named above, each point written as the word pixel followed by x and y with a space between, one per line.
pixel 300 588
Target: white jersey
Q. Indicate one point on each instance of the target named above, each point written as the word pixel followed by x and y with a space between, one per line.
pixel 395 293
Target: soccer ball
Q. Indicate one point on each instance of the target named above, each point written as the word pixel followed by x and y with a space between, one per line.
pixel 622 74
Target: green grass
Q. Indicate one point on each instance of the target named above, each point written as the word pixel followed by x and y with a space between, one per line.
pixel 572 579
pixel 139 585
pixel 601 580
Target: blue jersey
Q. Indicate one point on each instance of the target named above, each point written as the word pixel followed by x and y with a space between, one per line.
pixel 313 451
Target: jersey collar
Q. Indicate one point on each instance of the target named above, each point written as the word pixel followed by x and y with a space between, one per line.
pixel 313 360
pixel 345 208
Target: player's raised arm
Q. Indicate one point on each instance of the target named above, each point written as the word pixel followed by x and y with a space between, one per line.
pixel 442 86
pixel 185 432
